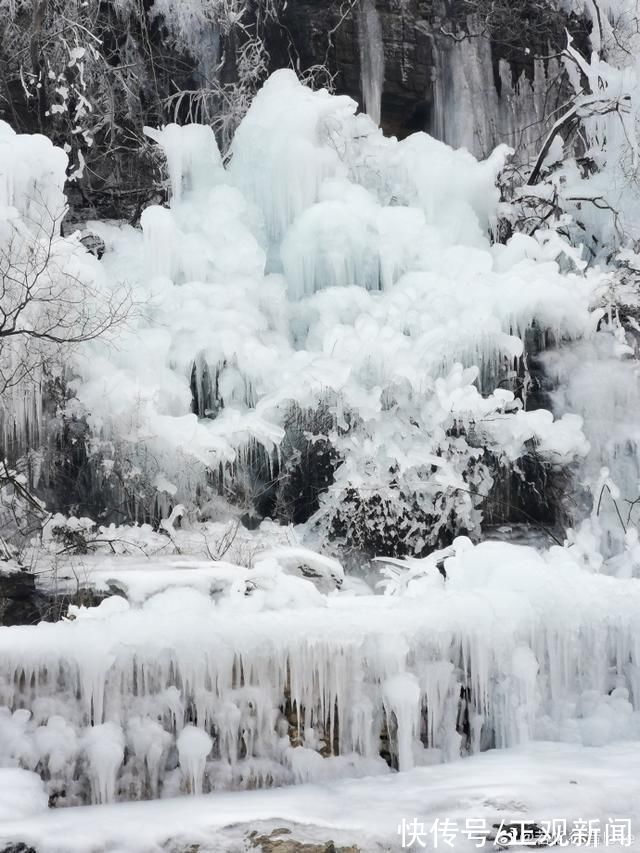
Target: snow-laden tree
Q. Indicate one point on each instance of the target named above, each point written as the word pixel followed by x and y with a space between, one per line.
pixel 584 185
pixel 53 299
pixel 52 294
pixel 585 179
pixel 91 75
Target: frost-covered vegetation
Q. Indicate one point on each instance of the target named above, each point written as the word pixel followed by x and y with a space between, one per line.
pixel 338 293
pixel 327 462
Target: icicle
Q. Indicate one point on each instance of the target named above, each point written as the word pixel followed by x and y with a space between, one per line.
pixel 525 670
pixel 150 743
pixel 104 746
pixel 193 158
pixel 194 745
pixel 159 234
pixel 227 717
pixel 371 58
pixel 436 681
pixel 402 698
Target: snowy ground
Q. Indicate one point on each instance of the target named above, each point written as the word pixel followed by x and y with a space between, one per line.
pixel 543 781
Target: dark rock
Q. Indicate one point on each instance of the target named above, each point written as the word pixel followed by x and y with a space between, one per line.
pixel 320 33
pixel 315 33
pixel 20 602
pixel 272 843
pixel 18 847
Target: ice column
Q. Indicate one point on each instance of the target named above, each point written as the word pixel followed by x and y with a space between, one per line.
pixel 160 235
pixel 104 747
pixel 402 698
pixel 371 59
pixel 194 745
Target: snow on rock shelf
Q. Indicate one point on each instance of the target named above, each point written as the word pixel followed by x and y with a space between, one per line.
pixel 226 677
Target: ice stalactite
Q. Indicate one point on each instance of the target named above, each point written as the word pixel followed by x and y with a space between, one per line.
pixel 468 109
pixel 21 421
pixel 104 746
pixel 159 235
pixel 150 743
pixel 193 159
pixel 438 88
pixel 371 58
pixel 514 646
pixel 401 697
pixel 436 679
pixel 194 745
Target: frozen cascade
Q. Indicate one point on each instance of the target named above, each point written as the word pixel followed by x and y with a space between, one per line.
pixel 242 321
pixel 468 110
pixel 401 696
pixel 327 264
pixel 371 58
pixel 248 690
pixel 104 746
pixel 610 419
pixel 194 745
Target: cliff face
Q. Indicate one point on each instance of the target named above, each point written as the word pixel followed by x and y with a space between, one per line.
pixel 466 76
pixel 472 73
pixel 346 36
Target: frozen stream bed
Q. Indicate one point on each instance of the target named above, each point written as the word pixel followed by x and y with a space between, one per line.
pixel 542 781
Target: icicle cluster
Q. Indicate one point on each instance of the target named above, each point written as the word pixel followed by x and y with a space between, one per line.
pixel 266 680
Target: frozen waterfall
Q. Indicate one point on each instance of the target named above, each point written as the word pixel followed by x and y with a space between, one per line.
pixel 250 685
pixel 327 287
pixel 371 58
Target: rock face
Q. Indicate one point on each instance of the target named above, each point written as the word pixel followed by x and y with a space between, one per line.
pixel 468 80
pixel 463 70
pixel 20 603
pixel 279 842
pixel 334 34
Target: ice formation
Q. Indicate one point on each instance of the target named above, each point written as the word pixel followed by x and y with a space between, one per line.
pixel 470 112
pixel 194 745
pixel 42 276
pixel 327 266
pixel 231 677
pixel 371 58
pixel 533 783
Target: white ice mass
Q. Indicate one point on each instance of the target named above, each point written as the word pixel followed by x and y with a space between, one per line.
pixel 329 266
pixel 325 276
pixel 214 664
